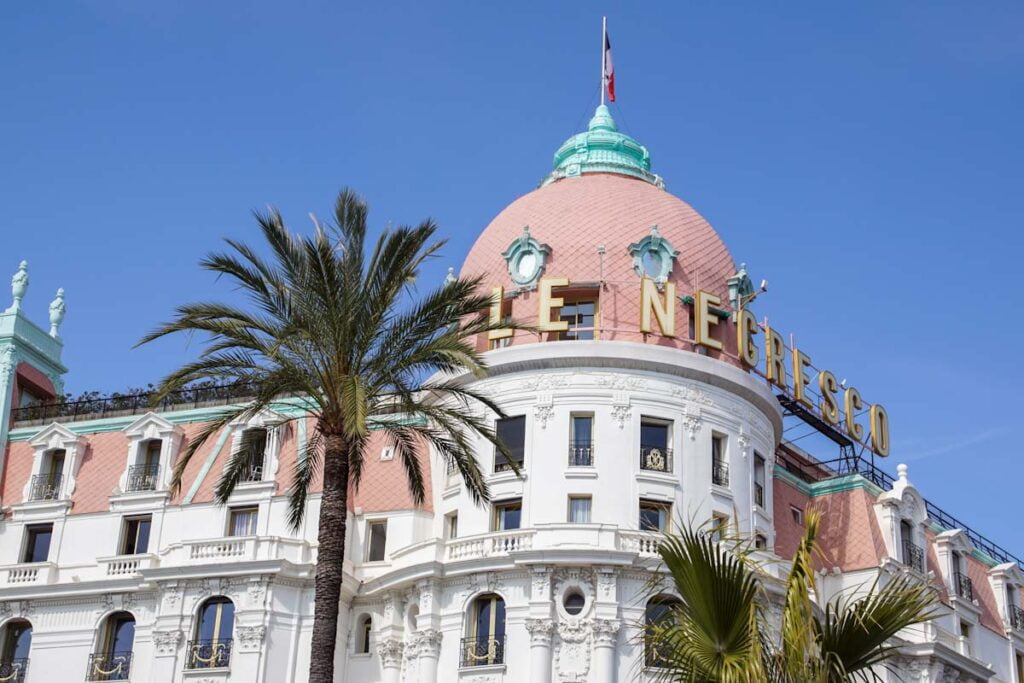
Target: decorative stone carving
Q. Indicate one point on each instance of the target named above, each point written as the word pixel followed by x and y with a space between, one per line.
pixel 428 643
pixel 544 382
pixel 691 422
pixel 621 414
pixel 526 258
pixel 606 584
pixel 25 608
pixel 543 412
pixel 8 361
pixel 57 309
pixel 19 285
pixel 572 651
pixel 390 652
pixel 692 394
pixel 250 637
pixel 621 382
pixel 166 642
pixel 653 257
pixel 540 631
pixel 541 585
pixel 257 590
pixel 606 632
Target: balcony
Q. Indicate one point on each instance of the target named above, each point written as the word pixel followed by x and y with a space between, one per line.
pixel 208 654
pixel 656 459
pixel 235 549
pixel 581 454
pixel 644 543
pixel 30 573
pixel 719 473
pixel 44 487
pixel 913 556
pixel 1016 618
pixel 252 472
pixel 109 666
pixel 482 651
pixel 489 545
pixel 964 586
pixel 759 495
pixel 14 670
pixel 126 565
pixel 141 478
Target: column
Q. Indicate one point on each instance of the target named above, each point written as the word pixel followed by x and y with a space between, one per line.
pixel 390 652
pixel 606 635
pixel 428 644
pixel 540 649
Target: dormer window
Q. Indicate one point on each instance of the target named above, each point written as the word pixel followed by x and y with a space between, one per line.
pixel 57 455
pixel 913 554
pixel 145 473
pixel 254 449
pixel 153 446
pixel 47 484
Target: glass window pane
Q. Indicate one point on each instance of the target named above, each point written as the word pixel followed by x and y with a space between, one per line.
pixel 654 435
pixel 579 510
pixel 378 541
pixel 582 429
pixel 38 546
pixel 122 634
pixel 512 432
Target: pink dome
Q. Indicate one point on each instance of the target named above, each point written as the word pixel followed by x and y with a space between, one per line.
pixel 574 216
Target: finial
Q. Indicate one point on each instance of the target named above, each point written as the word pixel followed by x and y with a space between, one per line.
pixel 901 471
pixel 57 313
pixel 19 285
pixel 450 277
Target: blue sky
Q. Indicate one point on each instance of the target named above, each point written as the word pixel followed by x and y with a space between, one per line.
pixel 866 159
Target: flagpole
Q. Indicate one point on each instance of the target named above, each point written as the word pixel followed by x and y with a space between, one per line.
pixel 604 38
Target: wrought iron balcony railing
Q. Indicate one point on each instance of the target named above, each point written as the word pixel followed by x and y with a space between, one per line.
pixel 109 666
pixel 13 670
pixel 142 478
pixel 208 654
pixel 1016 617
pixel 759 495
pixel 719 473
pixel 655 458
pixel 44 487
pixel 913 556
pixel 483 651
pixel 964 586
pixel 581 454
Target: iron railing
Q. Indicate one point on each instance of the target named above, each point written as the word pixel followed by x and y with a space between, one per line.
pixel 252 471
pixel 109 666
pixel 208 654
pixel 913 556
pixel 655 458
pixel 759 494
pixel 719 473
pixel 483 651
pixel 44 487
pixel 133 403
pixel 581 454
pixel 142 477
pixel 13 670
pixel 964 586
pixel 1016 617
pixel 813 472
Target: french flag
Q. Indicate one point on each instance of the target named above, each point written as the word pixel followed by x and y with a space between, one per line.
pixel 609 69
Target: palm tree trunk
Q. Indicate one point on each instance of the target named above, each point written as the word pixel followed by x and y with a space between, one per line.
pixel 330 558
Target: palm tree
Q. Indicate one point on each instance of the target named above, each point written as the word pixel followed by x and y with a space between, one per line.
pixel 339 335
pixel 718 631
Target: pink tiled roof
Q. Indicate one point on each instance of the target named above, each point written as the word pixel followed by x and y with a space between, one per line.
pixel 574 216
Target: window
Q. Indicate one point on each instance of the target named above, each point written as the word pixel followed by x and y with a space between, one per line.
pixel 913 555
pixel 965 634
pixel 46 484
pixel 143 476
pixel 579 509
pixel 485 643
pixel 17 641
pixel 37 542
pixel 253 448
pixel 573 602
pixel 511 431
pixel 797 514
pixel 211 647
pixel 506 317
pixel 719 466
pixel 242 521
pixel 508 515
pixel 759 473
pixel 363 635
pixel 654 516
pixel 580 317
pixel 451 525
pixel 1020 666
pixel 719 527
pixel 761 542
pixel 377 540
pixel 655 441
pixel 657 617
pixel 581 441
pixel 136 535
pixel 113 661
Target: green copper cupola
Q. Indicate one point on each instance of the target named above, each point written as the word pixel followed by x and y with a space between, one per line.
pixel 603 149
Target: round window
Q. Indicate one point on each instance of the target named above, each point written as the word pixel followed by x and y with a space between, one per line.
pixel 652 264
pixel 526 266
pixel 573 602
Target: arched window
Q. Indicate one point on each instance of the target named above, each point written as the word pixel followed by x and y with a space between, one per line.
pixel 113 661
pixel 211 647
pixel 657 617
pixel 485 642
pixel 17 641
pixel 365 626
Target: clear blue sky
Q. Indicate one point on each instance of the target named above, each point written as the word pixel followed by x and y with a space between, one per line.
pixel 866 159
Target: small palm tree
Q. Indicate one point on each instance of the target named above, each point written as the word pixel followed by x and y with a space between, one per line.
pixel 718 630
pixel 338 335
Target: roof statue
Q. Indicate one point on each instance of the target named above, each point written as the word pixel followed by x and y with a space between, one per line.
pixel 19 285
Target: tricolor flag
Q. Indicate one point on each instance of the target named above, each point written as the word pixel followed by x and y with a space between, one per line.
pixel 609 70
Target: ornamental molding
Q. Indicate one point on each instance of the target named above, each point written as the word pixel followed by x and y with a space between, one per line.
pixel 526 259
pixel 166 642
pixel 52 438
pixel 427 643
pixel 390 652
pixel 540 583
pixel 544 382
pixel 622 412
pixel 572 650
pixel 606 632
pixel 692 394
pixel 621 382
pixel 250 637
pixel 653 257
pixel 692 421
pixel 544 410
pixel 541 631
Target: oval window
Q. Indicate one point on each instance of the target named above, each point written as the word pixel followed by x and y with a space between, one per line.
pixel 652 264
pixel 573 602
pixel 526 267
